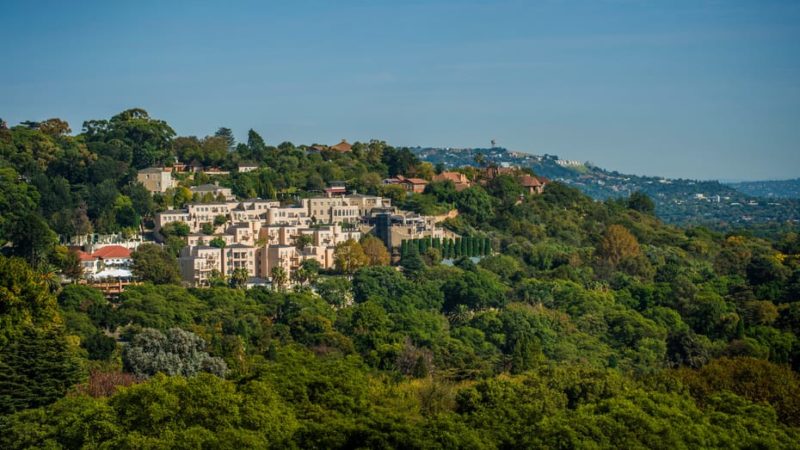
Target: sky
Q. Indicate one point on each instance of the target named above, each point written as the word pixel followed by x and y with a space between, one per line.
pixel 693 89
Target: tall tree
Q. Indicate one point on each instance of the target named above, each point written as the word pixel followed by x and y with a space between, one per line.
pixel 376 252
pixel 152 263
pixel 349 257
pixel 617 245
pixel 227 135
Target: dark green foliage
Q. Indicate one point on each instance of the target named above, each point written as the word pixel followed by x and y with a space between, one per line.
pixel 152 263
pixel 639 201
pixel 37 368
pixel 583 323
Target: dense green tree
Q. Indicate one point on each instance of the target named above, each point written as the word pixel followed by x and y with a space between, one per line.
pixel 152 263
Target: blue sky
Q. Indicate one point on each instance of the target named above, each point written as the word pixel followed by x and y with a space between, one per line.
pixel 698 89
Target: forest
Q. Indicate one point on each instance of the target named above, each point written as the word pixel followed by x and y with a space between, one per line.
pixel 558 322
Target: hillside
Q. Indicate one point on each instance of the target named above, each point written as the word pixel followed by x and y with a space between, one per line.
pixel 678 201
pixel 587 325
pixel 769 188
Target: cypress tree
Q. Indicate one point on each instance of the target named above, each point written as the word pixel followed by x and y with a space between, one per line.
pixel 487 246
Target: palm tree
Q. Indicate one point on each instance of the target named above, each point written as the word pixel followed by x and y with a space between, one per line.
pixel 279 277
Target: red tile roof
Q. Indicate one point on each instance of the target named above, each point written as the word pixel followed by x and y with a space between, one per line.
pixel 414 181
pixel 85 256
pixel 112 251
pixel 529 181
pixel 343 146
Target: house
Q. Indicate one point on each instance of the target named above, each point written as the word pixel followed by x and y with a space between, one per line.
pixel 156 179
pixel 247 167
pixel 114 256
pixel 495 171
pixel 414 185
pixel 532 185
pixel 90 264
pixel 341 147
pixel 336 188
pixel 214 189
pixel 457 178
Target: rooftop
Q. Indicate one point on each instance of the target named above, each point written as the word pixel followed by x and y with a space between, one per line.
pixel 112 251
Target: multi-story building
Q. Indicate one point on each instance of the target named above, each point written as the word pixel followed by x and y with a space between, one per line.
pixel 344 209
pixel 199 263
pixel 259 235
pixel 156 179
pixel 239 256
pixel 289 215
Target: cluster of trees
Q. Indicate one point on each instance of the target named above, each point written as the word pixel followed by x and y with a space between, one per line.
pixel 585 323
pixel 448 248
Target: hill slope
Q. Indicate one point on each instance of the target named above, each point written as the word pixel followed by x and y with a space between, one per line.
pixel 678 201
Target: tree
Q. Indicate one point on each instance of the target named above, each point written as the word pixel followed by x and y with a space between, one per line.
pixel 239 277
pixel 279 277
pixel 33 239
pixel 180 229
pixel 412 263
pixel 55 127
pixel 152 263
pixel 227 135
pixel 71 266
pixel 256 146
pixel 177 352
pixel 476 204
pixel 302 241
pixel 217 242
pixel 617 245
pixel 376 252
pixel 307 272
pixel 36 368
pixel 639 201
pixel 349 256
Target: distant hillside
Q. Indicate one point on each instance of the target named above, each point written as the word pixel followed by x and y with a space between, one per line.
pixel 679 201
pixel 770 188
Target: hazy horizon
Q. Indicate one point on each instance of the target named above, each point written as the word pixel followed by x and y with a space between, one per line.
pixel 684 89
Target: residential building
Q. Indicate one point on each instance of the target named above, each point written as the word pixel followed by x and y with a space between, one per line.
pixel 239 256
pixel 414 185
pixel 342 147
pixel 460 180
pixel 247 167
pixel 199 263
pixel 532 185
pixel 214 189
pixel 156 179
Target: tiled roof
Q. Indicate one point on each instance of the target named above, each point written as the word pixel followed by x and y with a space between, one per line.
pixel 85 256
pixel 112 251
pixel 529 181
pixel 343 146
